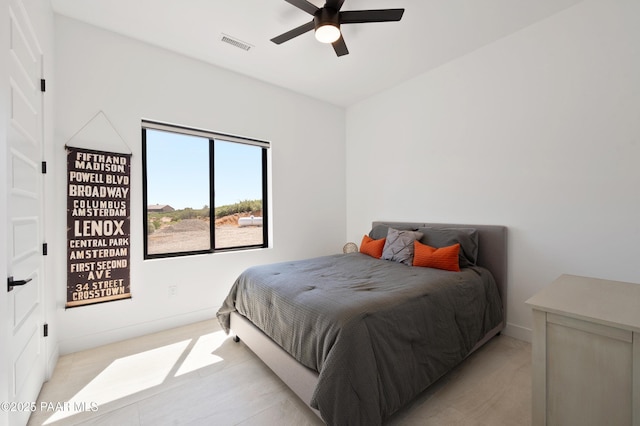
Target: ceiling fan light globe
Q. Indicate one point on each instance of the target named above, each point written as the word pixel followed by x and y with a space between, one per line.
pixel 327 33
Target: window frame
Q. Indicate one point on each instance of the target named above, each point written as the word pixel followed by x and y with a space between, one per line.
pixel 211 136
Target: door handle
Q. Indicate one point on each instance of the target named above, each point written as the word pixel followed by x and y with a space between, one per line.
pixel 11 283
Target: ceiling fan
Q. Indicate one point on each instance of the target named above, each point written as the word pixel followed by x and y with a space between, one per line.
pixel 327 20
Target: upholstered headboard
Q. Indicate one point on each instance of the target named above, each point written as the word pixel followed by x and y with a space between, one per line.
pixel 492 248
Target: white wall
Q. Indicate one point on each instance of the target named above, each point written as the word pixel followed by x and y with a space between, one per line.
pixel 128 80
pixel 539 131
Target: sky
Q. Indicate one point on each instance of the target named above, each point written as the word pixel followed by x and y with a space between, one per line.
pixel 178 171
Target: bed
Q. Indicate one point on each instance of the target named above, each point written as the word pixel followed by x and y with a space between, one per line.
pixel 357 337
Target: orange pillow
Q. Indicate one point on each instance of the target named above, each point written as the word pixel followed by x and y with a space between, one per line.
pixel 372 247
pixel 441 258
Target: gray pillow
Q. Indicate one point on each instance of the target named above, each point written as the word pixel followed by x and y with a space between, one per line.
pixel 399 245
pixel 380 231
pixel 443 237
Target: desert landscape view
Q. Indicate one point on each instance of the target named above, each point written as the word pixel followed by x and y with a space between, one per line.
pixel 167 233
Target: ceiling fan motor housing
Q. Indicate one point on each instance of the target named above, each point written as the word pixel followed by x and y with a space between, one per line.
pixel 326 16
pixel 326 22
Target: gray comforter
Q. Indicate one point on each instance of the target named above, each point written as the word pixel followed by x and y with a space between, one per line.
pixel 378 332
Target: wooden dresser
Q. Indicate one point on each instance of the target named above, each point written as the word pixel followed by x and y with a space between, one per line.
pixel 586 353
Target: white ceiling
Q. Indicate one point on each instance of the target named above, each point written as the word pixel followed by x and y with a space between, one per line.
pixel 431 33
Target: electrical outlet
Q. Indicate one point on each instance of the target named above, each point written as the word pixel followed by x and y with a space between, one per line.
pixel 172 290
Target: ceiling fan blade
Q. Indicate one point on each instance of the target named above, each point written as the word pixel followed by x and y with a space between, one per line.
pixel 304 5
pixel 362 16
pixel 334 4
pixel 293 33
pixel 340 47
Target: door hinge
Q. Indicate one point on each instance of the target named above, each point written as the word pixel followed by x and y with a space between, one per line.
pixel 44 167
pixel 43 85
pixel 45 249
pixel 46 330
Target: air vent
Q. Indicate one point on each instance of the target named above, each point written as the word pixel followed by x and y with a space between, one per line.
pixel 235 42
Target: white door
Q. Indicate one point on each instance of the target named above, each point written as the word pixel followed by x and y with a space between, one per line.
pixel 24 204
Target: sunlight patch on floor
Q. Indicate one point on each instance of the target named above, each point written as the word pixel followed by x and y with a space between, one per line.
pixel 202 354
pixel 123 377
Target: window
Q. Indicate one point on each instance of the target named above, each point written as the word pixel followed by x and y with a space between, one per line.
pixel 202 191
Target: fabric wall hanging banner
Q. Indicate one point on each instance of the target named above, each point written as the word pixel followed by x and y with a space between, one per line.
pixel 98 226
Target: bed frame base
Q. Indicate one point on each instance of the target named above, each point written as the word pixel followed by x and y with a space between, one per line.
pixel 300 379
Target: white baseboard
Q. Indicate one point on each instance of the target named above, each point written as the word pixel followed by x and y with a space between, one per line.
pixel 518 332
pixel 89 341
pixel 54 355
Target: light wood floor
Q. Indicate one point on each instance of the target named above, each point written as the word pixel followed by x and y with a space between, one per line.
pixel 196 375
